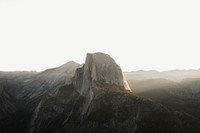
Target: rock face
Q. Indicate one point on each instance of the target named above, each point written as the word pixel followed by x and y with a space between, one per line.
pixel 100 67
pixel 73 98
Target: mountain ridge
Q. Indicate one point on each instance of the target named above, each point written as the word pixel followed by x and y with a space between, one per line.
pixel 92 97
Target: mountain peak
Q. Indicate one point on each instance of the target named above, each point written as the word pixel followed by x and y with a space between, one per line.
pixel 101 68
pixel 99 72
pixel 69 64
pixel 69 67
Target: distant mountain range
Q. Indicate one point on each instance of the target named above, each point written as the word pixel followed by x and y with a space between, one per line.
pixel 178 90
pixel 96 97
pixel 173 75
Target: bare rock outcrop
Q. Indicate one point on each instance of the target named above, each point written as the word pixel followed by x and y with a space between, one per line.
pixel 99 68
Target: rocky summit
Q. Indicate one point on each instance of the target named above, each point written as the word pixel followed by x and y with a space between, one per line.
pixel 88 98
pixel 99 68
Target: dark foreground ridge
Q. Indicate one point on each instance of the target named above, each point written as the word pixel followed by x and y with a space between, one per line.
pixel 89 98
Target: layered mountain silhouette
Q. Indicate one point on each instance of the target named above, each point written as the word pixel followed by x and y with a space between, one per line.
pixel 88 98
pixel 175 89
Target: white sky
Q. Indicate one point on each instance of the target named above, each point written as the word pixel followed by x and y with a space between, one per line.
pixel 138 34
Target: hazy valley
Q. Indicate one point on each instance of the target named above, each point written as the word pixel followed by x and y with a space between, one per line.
pixel 98 97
